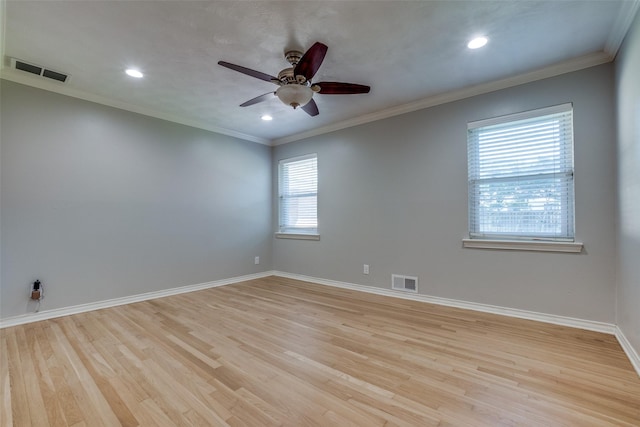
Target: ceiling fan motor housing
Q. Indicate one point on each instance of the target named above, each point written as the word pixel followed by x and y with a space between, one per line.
pixel 287 76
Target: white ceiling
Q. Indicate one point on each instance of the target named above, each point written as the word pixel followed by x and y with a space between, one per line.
pixel 412 53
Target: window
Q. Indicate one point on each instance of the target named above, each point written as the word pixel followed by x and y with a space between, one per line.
pixel 298 195
pixel 521 176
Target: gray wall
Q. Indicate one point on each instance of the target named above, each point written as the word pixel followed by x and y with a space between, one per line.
pixel 100 203
pixel 628 111
pixel 393 194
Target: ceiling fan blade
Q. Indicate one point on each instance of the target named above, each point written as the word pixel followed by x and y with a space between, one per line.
pixel 257 99
pixel 311 61
pixel 248 71
pixel 338 88
pixel 311 108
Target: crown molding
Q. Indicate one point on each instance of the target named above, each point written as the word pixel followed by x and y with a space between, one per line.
pixel 60 88
pixel 574 64
pixel 628 11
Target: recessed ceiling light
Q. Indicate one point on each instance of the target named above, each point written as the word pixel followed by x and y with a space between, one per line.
pixel 266 118
pixel 477 42
pixel 134 73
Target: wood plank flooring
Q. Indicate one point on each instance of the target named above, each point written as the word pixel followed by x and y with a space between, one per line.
pixel 279 352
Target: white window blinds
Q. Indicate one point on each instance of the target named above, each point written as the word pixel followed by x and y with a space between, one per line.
pixel 521 175
pixel 298 194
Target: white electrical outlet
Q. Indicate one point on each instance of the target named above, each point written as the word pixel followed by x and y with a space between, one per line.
pixel 365 269
pixel 256 260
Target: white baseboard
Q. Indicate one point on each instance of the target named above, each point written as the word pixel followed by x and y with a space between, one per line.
pixel 82 308
pixel 589 325
pixel 486 308
pixel 629 350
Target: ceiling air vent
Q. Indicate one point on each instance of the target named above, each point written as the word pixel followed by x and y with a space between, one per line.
pixel 404 283
pixel 28 68
pixel 55 75
pixel 38 70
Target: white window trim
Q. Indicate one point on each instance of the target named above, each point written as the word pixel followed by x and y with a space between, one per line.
pixel 520 116
pixel 526 244
pixel 297 236
pixel 312 234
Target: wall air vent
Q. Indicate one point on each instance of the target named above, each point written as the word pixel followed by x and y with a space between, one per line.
pixel 38 70
pixel 404 283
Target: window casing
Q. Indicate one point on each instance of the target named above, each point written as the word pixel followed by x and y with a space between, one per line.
pixel 298 195
pixel 520 170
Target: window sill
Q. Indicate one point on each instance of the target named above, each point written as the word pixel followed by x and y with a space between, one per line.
pixel 524 245
pixel 297 236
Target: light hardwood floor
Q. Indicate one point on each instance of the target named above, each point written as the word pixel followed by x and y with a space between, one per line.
pixel 275 351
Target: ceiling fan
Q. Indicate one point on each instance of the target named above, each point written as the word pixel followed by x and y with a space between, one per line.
pixel 296 88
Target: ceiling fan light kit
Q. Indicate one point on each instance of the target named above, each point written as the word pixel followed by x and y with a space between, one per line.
pixel 295 95
pixel 296 89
